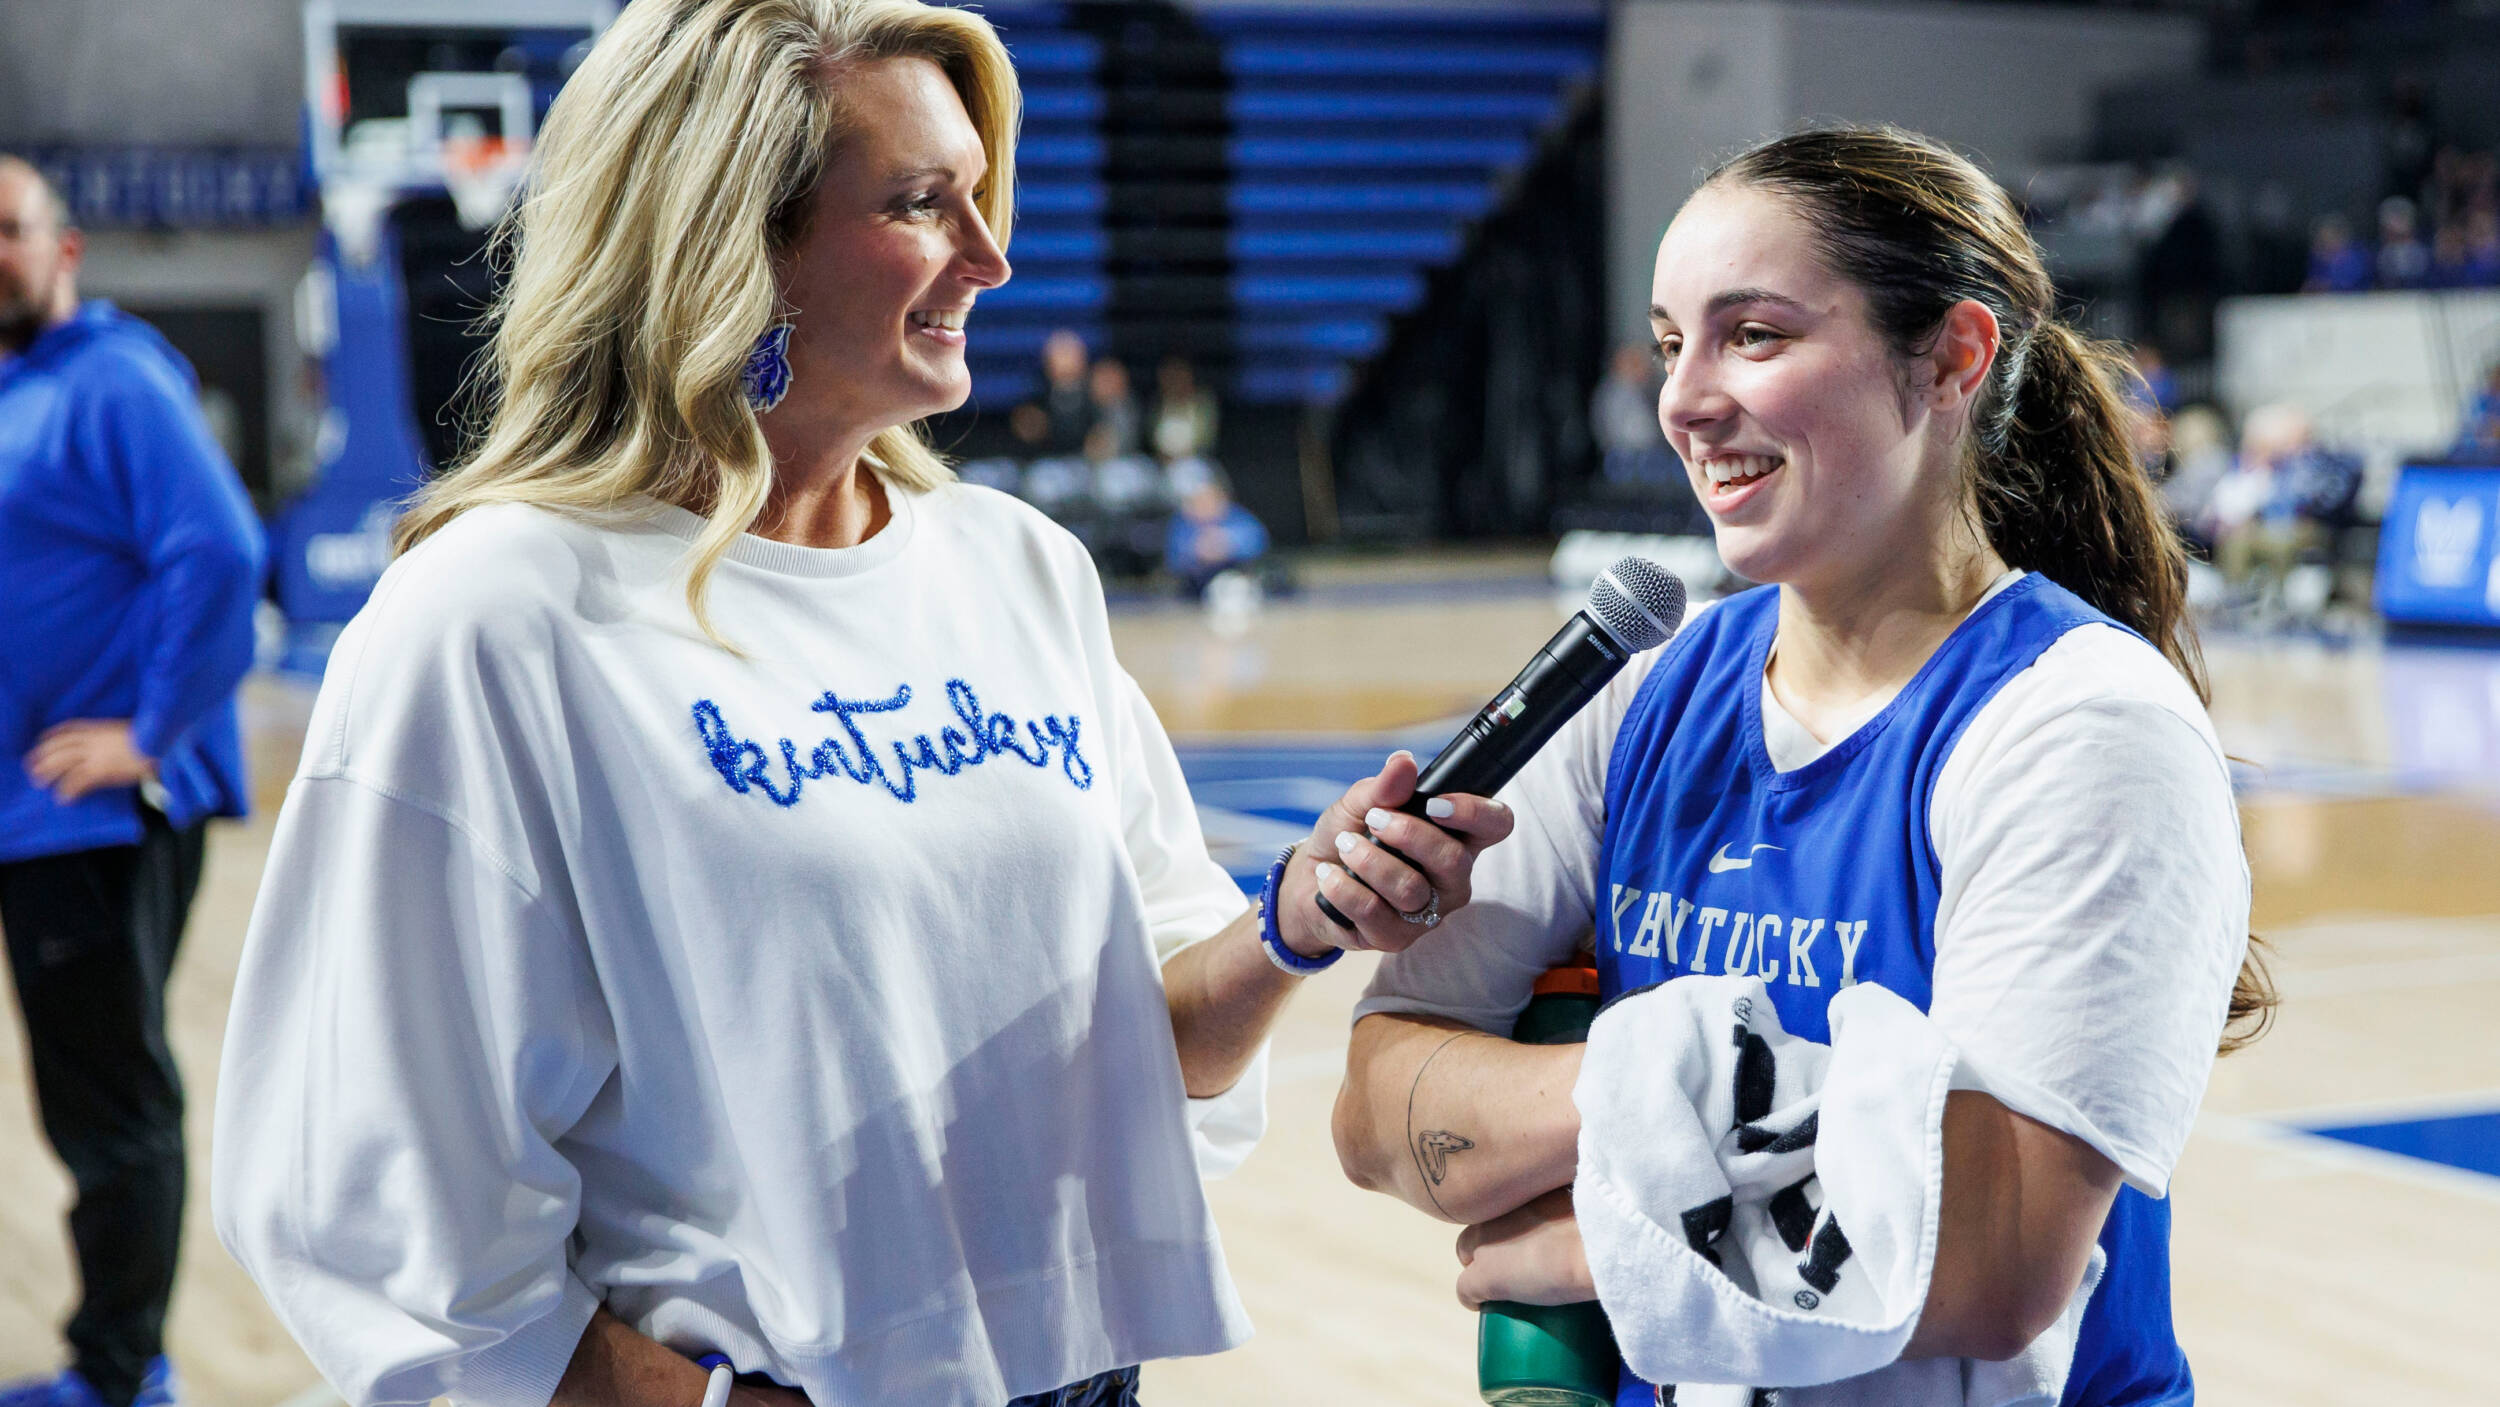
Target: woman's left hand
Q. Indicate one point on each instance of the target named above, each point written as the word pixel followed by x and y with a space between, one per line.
pixel 1532 1255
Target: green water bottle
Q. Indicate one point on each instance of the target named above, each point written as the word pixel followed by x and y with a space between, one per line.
pixel 1549 1355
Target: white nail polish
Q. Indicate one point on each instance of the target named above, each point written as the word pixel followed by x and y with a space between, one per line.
pixel 1375 818
pixel 1440 808
pixel 1345 842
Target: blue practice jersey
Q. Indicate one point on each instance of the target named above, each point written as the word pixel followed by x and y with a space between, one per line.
pixel 1823 877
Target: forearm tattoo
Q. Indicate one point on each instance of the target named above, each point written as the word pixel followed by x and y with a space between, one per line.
pixel 1433 1148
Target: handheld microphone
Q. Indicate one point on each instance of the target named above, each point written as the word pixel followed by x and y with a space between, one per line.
pixel 1634 605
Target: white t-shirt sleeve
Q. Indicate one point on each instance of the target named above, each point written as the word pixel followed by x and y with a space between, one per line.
pixel 413 1029
pixel 1189 898
pixel 1533 892
pixel 2094 902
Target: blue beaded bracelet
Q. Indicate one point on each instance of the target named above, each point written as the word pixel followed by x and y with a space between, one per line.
pixel 1273 941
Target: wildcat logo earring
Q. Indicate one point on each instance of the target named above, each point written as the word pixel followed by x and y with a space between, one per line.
pixel 766 378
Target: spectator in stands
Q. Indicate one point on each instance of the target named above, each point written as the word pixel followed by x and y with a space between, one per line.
pixel 2412 136
pixel 2337 264
pixel 1623 418
pixel 2482 249
pixel 2277 252
pixel 2284 502
pixel 2451 258
pixel 1065 411
pixel 1186 413
pixel 2479 436
pixel 129 564
pixel 2404 261
pixel 1115 431
pixel 2462 181
pixel 2180 272
pixel 2157 386
pixel 1209 536
pixel 2199 455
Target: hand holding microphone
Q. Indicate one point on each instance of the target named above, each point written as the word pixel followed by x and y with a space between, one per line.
pixel 1388 873
pixel 1397 847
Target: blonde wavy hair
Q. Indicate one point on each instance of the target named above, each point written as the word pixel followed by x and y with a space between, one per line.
pixel 678 162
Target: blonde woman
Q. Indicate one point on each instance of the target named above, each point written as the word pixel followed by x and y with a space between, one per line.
pixel 733 905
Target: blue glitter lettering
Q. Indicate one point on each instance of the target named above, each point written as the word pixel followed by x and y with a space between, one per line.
pixel 1071 761
pixel 746 765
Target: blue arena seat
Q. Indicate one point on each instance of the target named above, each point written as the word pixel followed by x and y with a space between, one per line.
pixel 1292 216
pixel 1464 199
pixel 1052 53
pixel 1252 106
pixel 1054 153
pixel 1071 293
pixel 1057 246
pixel 1391 57
pixel 1370 153
pixel 1059 198
pixel 1437 245
pixel 1056 104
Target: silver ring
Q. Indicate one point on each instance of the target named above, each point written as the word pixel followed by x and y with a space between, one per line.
pixel 1427 916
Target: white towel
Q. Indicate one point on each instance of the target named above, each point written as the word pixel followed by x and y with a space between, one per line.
pixel 1760 1209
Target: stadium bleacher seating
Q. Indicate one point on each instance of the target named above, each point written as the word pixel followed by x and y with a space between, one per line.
pixel 1259 188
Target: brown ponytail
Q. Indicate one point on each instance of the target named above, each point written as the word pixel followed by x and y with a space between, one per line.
pixel 2054 480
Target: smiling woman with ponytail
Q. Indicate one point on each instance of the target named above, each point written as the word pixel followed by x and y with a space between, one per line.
pixel 1962 738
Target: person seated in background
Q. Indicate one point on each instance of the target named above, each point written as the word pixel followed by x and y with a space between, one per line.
pixel 2197 457
pixel 1186 413
pixel 1636 463
pixel 1210 535
pixel 1114 433
pixel 2157 386
pixel 2284 501
pixel 2450 256
pixel 2404 261
pixel 2482 249
pixel 1623 419
pixel 1058 422
pixel 2336 263
pixel 2478 435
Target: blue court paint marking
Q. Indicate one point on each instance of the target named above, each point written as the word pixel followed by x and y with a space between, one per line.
pixel 1254 799
pixel 2467 1141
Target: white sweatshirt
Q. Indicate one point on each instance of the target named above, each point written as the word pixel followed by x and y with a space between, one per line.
pixel 805 1006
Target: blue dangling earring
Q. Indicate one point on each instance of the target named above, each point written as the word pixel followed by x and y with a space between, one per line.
pixel 766 378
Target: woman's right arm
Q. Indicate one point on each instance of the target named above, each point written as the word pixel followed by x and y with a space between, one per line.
pixel 1460 1124
pixel 1434 1111
pixel 414 1027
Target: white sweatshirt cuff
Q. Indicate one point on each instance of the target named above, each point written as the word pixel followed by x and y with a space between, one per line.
pixel 523 1370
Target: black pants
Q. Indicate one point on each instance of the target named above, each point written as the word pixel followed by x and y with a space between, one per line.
pixel 91 939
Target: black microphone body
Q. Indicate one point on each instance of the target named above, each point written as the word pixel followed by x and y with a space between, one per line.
pixel 1634 605
pixel 1558 681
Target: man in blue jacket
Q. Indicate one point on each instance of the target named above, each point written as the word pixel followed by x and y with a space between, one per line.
pixel 129 563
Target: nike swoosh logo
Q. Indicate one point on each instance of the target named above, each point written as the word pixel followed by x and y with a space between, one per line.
pixel 1721 864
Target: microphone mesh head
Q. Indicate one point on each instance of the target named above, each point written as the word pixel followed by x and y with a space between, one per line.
pixel 1638 602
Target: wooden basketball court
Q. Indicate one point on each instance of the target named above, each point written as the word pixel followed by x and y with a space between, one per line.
pixel 2309 1269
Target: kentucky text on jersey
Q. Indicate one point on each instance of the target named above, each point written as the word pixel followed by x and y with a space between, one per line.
pixel 746 766
pixel 1754 941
